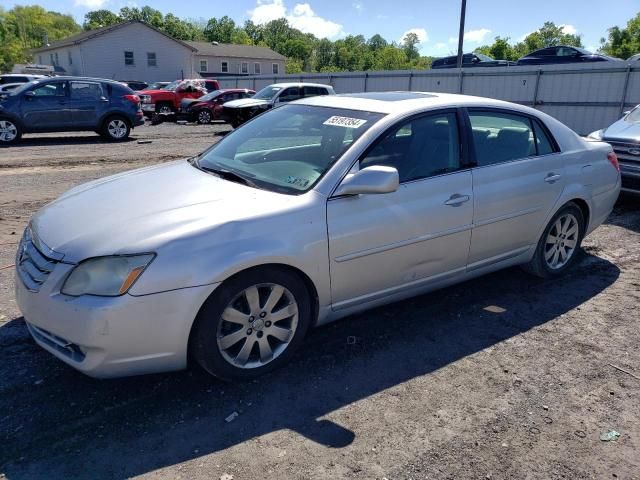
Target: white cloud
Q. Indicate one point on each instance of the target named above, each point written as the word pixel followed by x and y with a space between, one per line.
pixel 420 32
pixel 568 29
pixel 440 46
pixel 90 3
pixel 476 36
pixel 358 5
pixel 453 39
pixel 301 17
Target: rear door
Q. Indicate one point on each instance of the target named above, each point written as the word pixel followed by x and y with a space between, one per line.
pixel 517 180
pixel 46 107
pixel 87 101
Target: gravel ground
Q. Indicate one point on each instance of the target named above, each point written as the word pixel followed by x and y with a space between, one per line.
pixel 503 377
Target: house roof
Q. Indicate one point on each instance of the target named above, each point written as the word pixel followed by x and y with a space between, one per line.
pixel 237 51
pixel 88 35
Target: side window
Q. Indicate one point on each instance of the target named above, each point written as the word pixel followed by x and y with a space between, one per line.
pixel 290 94
pixel 543 142
pixel 420 148
pixel 51 90
pixel 500 137
pixel 86 91
pixel 314 91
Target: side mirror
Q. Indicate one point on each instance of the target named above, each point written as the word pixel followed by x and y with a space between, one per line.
pixel 624 114
pixel 30 94
pixel 376 179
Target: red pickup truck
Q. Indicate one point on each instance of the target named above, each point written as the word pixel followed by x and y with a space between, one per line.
pixel 167 100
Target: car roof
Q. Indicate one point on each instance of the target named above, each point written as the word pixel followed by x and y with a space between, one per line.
pixel 299 84
pixel 407 102
pixel 93 79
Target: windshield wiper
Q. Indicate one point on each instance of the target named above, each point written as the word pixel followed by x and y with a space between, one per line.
pixel 227 175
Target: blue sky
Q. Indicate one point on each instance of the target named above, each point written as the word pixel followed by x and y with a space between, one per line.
pixel 436 22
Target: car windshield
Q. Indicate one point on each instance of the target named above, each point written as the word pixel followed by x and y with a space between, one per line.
pixel 289 148
pixel 484 57
pixel 267 93
pixel 209 96
pixel 22 88
pixel 173 85
pixel 634 115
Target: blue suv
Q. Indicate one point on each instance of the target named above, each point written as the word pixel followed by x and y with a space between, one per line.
pixel 64 104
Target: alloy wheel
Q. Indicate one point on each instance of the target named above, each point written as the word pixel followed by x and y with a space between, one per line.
pixel 165 109
pixel 204 116
pixel 257 326
pixel 8 131
pixel 561 241
pixel 117 128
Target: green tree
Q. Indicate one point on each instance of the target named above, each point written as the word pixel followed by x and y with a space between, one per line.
pixel 376 43
pixel 323 55
pixel 100 18
pixel 220 30
pixel 391 58
pixel 410 46
pixel 623 42
pixel 294 65
pixel 501 49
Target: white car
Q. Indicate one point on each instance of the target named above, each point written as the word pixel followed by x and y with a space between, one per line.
pixel 308 213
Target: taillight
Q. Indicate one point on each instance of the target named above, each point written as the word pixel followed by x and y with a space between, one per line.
pixel 135 99
pixel 613 158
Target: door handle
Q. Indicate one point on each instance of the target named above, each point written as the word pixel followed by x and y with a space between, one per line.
pixel 552 178
pixel 456 200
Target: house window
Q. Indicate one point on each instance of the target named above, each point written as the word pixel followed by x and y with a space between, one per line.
pixel 276 68
pixel 151 59
pixel 225 67
pixel 69 57
pixel 244 68
pixel 256 68
pixel 128 58
pixel 204 66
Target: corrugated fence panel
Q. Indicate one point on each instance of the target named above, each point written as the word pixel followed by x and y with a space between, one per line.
pixel 435 82
pixel 388 83
pixel 583 119
pixel 585 97
pixel 514 88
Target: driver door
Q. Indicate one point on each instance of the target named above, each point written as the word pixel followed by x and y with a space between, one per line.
pixel 380 244
pixel 46 107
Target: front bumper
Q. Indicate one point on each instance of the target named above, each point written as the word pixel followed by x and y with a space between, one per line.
pixel 111 336
pixel 148 107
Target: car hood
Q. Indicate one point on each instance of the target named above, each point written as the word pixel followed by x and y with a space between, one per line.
pixel 623 131
pixel 245 102
pixel 143 210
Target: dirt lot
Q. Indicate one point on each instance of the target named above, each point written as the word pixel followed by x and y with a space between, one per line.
pixel 506 376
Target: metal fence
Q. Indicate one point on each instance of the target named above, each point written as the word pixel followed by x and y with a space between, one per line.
pixel 585 97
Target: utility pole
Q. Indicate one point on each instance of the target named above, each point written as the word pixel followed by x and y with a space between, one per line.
pixel 461 33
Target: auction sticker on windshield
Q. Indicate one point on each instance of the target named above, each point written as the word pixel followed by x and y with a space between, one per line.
pixel 346 122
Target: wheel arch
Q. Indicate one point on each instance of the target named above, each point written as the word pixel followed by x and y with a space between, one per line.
pixel 105 118
pixel 584 207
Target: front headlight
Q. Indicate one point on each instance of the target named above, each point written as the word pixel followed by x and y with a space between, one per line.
pixel 106 276
pixel 597 135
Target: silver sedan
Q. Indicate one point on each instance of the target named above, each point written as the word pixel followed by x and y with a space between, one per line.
pixel 308 213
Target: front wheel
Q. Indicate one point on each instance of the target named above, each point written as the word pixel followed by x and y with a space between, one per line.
pixel 251 324
pixel 10 132
pixel 204 116
pixel 560 243
pixel 116 128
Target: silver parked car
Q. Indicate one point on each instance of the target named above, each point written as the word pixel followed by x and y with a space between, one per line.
pixel 624 137
pixel 308 213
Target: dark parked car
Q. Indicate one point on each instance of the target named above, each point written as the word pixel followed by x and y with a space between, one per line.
pixel 209 107
pixel 237 112
pixel 135 84
pixel 470 60
pixel 562 54
pixel 61 104
pixel 624 137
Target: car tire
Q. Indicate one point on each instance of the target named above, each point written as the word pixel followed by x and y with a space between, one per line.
pixel 240 320
pixel 10 131
pixel 204 116
pixel 559 245
pixel 116 128
pixel 164 108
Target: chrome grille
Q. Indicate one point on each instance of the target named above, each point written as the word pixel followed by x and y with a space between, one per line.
pixel 32 265
pixel 627 152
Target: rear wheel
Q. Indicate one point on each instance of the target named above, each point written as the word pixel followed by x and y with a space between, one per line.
pixel 560 243
pixel 164 109
pixel 251 324
pixel 204 116
pixel 10 132
pixel 116 128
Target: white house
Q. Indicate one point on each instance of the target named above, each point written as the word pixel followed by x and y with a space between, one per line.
pixel 137 51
